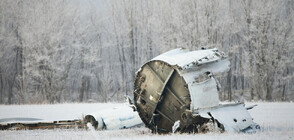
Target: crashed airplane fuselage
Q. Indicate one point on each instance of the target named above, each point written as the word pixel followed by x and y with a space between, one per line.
pixel 177 91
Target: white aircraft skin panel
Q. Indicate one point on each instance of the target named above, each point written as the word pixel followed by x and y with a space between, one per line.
pixel 235 118
pixel 217 67
pixel 117 118
pixel 204 94
pixel 122 121
pixel 183 57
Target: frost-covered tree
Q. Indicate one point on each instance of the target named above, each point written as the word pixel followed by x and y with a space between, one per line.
pixel 79 51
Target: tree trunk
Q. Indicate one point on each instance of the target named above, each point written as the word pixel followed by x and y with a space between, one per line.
pixel 82 89
pixel 229 85
pixel 283 93
pixel 10 92
pixel 1 87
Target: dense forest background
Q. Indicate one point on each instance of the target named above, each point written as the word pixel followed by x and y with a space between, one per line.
pixel 54 51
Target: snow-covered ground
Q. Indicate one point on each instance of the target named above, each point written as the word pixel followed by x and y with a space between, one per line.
pixel 275 119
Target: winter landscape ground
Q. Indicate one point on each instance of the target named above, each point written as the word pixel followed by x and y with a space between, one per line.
pixel 275 119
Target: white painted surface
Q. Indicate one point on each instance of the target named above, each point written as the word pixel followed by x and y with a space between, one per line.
pixel 117 117
pixel 235 118
pixel 204 94
pixel 184 57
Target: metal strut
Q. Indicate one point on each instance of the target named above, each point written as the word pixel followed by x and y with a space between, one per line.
pixel 64 124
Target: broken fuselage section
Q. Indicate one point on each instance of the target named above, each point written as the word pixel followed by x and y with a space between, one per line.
pixel 114 118
pixel 177 91
pixel 120 117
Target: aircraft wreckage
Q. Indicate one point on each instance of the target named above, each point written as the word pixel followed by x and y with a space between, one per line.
pixel 177 91
pixel 174 92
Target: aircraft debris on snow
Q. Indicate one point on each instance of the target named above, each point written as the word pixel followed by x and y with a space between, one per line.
pixel 174 92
